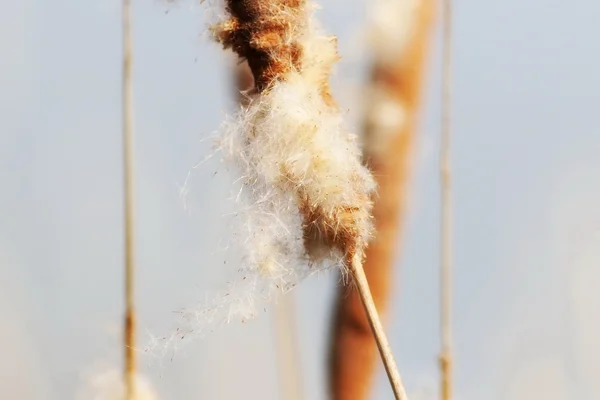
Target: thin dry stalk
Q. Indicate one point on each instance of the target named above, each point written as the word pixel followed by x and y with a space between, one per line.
pixel 383 345
pixel 287 348
pixel 129 372
pixel 446 360
pixel 284 311
pixel 390 130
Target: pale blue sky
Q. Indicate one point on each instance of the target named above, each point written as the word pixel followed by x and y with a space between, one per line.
pixel 526 193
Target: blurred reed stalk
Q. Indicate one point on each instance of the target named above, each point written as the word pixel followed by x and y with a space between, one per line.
pixel 284 318
pixel 129 371
pixel 287 348
pixel 446 359
pixel 390 127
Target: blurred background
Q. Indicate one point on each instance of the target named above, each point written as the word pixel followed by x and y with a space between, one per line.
pixel 526 164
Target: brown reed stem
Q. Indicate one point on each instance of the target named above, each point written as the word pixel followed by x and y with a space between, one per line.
pixel 353 357
pixel 446 360
pixel 383 345
pixel 127 110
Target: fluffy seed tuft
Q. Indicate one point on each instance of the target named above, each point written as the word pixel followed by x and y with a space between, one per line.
pixel 305 196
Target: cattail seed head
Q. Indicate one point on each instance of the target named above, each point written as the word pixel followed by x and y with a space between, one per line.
pixel 305 196
pixel 291 137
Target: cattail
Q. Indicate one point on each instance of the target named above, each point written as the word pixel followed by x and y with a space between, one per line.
pixel 399 33
pixel 306 195
pixel 300 165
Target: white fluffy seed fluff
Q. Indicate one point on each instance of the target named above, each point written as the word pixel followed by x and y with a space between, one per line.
pixel 288 139
pixel 292 151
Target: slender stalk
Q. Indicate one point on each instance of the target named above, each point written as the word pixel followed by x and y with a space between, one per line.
pixel 383 345
pixel 287 348
pixel 127 110
pixel 446 361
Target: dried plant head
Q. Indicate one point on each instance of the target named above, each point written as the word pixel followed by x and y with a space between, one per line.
pixel 304 195
pixel 291 137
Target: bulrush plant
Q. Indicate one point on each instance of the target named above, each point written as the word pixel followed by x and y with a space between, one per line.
pixel 309 194
pixel 305 195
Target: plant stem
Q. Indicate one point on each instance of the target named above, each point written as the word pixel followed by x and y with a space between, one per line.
pixel 127 110
pixel 287 346
pixel 446 362
pixel 383 345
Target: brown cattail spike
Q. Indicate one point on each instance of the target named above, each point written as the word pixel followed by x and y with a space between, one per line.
pixel 259 31
pixel 302 173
